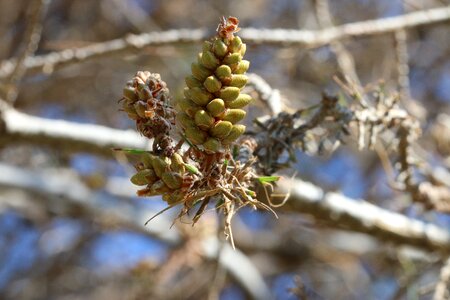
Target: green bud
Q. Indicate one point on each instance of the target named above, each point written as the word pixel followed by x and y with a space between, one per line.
pixel 229 93
pixel 234 115
pixel 216 107
pixel 221 129
pixel 235 44
pixel 232 58
pixel 212 145
pixel 172 180
pixel 195 135
pixel 160 165
pixel 177 164
pixel 220 48
pixel 243 49
pixel 192 82
pixel 212 84
pixel 241 101
pixel 223 72
pixel 147 159
pixel 242 67
pixel 238 80
pixel 189 107
pixel 206 45
pixel 203 120
pixel 200 96
pixel 199 71
pixel 235 132
pixel 143 177
pixel 184 120
pixel 130 93
pixel 209 60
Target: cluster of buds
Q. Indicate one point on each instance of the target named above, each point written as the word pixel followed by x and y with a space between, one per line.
pixel 147 101
pixel 161 175
pixel 213 100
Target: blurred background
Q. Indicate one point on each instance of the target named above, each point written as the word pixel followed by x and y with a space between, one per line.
pixel 70 227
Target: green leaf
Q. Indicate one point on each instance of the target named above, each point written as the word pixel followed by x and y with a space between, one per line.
pixel 250 193
pixel 131 151
pixel 264 179
pixel 225 162
pixel 192 169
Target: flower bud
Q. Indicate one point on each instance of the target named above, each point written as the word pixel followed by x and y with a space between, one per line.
pixel 143 177
pixel 212 84
pixel 223 72
pixel 199 72
pixel 130 93
pixel 191 82
pixel 220 48
pixel 242 67
pixel 234 115
pixel 212 145
pixel 229 93
pixel 189 107
pixel 241 101
pixel 235 44
pixel 209 60
pixel 232 58
pixel 160 165
pixel 238 80
pixel 234 134
pixel 221 129
pixel 200 96
pixel 172 180
pixel 206 45
pixel 184 120
pixel 195 135
pixel 177 164
pixel 140 108
pixel 203 120
pixel 216 107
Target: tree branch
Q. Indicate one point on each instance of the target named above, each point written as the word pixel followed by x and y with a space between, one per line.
pixel 303 38
pixel 361 216
pixel 70 136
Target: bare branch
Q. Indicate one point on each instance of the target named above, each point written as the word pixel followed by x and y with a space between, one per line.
pixel 70 136
pixel 361 216
pixel 33 34
pixel 303 38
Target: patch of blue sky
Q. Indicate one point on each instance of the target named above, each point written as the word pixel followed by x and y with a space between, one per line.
pixel 21 239
pixel 119 250
pixel 341 169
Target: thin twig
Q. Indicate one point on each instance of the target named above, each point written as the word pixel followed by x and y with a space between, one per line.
pixel 303 38
pixel 32 37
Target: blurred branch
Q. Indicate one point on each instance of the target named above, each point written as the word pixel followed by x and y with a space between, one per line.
pixel 80 201
pixel 270 97
pixel 304 38
pixel 361 216
pixel 442 292
pixel 344 59
pixel 32 37
pixel 60 134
